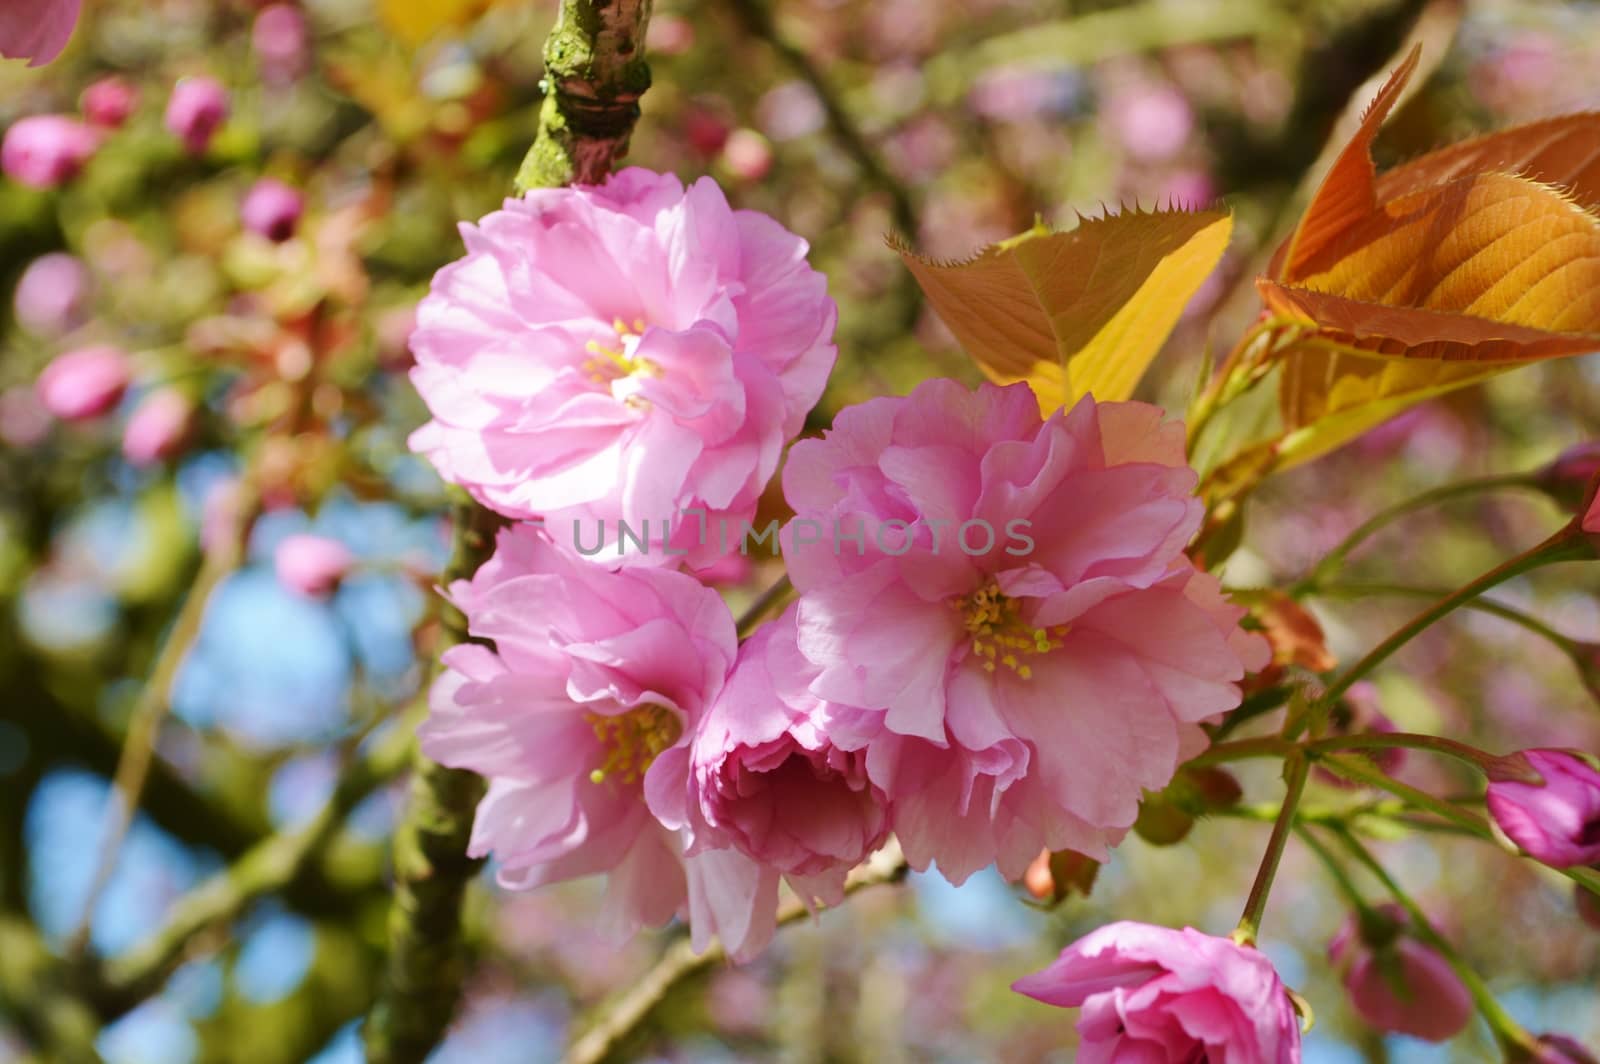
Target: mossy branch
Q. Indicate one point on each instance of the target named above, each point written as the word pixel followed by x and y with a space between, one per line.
pixel 595 72
pixel 428 961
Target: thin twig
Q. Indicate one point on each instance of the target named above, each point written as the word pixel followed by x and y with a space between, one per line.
pixel 679 961
pixel 758 22
pixel 138 748
pixel 268 867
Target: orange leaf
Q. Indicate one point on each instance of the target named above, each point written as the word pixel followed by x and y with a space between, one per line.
pixel 1562 151
pixel 1443 272
pixel 1079 312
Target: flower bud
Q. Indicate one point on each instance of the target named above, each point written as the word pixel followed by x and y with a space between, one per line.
pixel 280 40
pixel 52 295
pixel 1559 1049
pixel 1395 982
pixel 107 103
pixel 158 428
pixel 84 384
pixel 747 155
pixel 272 209
pixel 1055 877
pixel 196 110
pixel 1556 822
pixel 1566 478
pixel 46 150
pixel 312 565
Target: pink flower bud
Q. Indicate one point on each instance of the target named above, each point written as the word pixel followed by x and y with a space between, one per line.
pixel 46 150
pixel 1397 983
pixel 1567 476
pixel 312 565
pixel 196 111
pixel 52 295
pixel 158 428
pixel 272 209
pixel 747 154
pixel 1558 822
pixel 279 38
pixel 36 30
pixel 107 103
pixel 669 35
pixel 1152 122
pixel 1559 1049
pixel 84 384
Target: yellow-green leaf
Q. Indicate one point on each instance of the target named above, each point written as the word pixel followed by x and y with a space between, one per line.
pixel 1077 312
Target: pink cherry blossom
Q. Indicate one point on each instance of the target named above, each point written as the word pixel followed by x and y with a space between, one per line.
pixel 44 151
pixel 108 102
pixel 36 30
pixel 158 427
pixel 1557 822
pixel 594 674
pixel 1012 594
pixel 85 383
pixel 53 294
pixel 312 565
pixel 1154 994
pixel 622 353
pixel 777 775
pixel 272 209
pixel 1397 983
pixel 196 110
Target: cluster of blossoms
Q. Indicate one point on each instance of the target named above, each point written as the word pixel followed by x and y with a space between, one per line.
pixel 608 356
pixel 620 352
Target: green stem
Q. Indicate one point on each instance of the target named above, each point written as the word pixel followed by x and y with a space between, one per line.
pixel 1479 759
pixel 1360 770
pixel 1483 605
pixel 1511 1034
pixel 1563 546
pixel 1257 704
pixel 1244 749
pixel 1335 558
pixel 1295 771
pixel 1335 869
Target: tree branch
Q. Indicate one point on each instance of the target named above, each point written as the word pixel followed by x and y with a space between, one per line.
pixel 595 73
pixel 679 961
pixel 268 867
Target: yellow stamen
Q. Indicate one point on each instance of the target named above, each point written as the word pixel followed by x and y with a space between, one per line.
pixel 995 625
pixel 632 740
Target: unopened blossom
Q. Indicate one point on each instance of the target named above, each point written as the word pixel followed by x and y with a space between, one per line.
pixel 272 209
pixel 774 774
pixel 1567 476
pixel 594 675
pixel 108 102
pixel 52 295
pixel 196 110
pixel 36 30
pixel 1557 821
pixel 1396 982
pixel 623 352
pixel 85 383
pixel 280 38
pixel 44 151
pixel 158 427
pixel 1155 994
pixel 1560 1049
pixel 312 565
pixel 1012 596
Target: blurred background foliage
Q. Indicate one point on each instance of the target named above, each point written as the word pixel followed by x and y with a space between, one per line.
pixel 955 122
